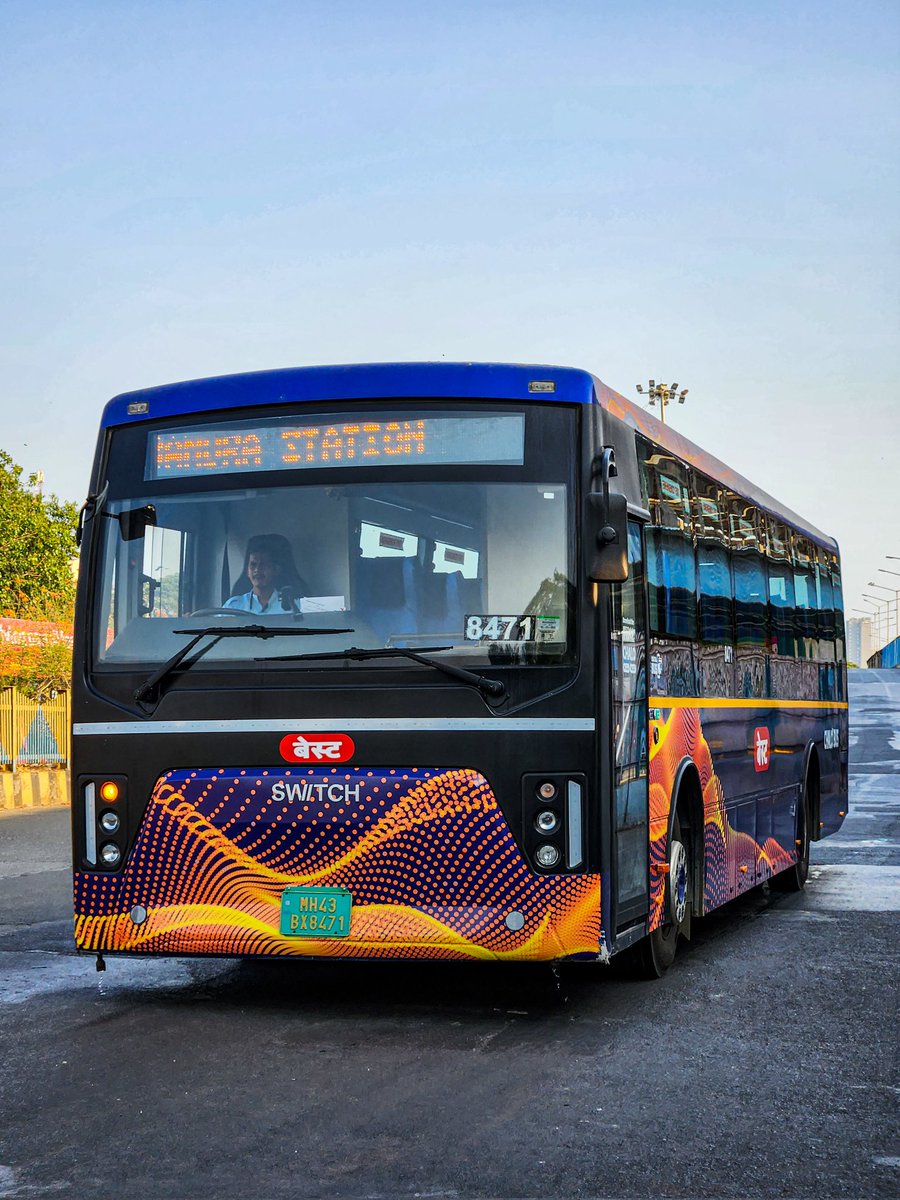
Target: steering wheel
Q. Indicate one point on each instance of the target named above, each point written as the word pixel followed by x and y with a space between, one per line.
pixel 218 612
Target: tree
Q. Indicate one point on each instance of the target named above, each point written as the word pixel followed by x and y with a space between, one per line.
pixel 37 543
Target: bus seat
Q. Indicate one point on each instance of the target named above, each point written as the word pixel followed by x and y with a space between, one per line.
pixel 386 595
pixel 447 597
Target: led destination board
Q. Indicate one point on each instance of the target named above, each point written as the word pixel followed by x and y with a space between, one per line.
pixel 279 445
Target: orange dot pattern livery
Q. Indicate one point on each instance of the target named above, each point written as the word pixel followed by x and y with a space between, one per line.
pixel 427 855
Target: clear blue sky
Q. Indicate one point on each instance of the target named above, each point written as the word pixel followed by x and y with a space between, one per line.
pixel 699 191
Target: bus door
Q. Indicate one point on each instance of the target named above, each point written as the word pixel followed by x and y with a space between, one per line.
pixel 628 645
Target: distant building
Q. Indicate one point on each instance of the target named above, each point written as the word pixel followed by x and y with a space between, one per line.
pixel 860 643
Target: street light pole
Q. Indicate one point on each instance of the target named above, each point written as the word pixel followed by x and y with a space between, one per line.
pixel 665 393
pixel 896 594
pixel 877 606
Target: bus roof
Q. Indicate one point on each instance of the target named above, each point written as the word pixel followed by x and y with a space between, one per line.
pixel 476 381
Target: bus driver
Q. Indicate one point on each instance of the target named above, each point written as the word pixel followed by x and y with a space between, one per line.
pixel 269 568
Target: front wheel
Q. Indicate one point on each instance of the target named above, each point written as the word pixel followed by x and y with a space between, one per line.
pixel 656 953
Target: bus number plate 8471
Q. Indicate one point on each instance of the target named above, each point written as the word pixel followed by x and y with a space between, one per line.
pixel 315 912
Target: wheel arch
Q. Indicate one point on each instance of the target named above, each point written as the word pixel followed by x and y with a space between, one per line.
pixel 812 788
pixel 687 804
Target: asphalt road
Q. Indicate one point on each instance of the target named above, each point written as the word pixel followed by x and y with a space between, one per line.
pixel 763 1065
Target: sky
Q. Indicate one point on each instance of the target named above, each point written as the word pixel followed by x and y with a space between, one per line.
pixel 696 192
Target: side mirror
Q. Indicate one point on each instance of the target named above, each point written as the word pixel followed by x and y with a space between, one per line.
pixel 606 528
pixel 134 522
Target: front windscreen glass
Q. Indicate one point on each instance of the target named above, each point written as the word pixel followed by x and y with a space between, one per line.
pixel 479 566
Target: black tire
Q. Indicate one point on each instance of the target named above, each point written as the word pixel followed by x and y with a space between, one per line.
pixel 656 953
pixel 795 877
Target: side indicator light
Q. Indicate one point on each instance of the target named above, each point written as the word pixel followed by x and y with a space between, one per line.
pixel 109 791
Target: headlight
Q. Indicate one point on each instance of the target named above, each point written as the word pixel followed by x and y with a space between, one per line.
pixel 109 822
pixel 546 821
pixel 546 856
pixel 110 854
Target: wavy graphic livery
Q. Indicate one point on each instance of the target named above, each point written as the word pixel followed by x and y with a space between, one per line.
pixel 426 854
pixel 735 861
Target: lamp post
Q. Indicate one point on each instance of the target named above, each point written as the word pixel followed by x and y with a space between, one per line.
pixel 878 602
pixel 896 594
pixel 665 393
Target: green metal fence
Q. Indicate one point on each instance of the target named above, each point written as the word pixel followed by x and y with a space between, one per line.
pixel 34 733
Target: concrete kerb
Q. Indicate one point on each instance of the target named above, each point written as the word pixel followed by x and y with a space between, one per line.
pixel 33 788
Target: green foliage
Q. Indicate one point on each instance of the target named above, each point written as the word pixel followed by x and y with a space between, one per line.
pixel 37 542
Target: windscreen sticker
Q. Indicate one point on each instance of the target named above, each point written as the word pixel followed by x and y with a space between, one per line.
pixel 499 627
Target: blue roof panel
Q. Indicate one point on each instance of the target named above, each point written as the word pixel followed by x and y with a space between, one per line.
pixel 477 381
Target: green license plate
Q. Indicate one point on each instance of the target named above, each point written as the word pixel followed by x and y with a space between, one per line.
pixel 315 912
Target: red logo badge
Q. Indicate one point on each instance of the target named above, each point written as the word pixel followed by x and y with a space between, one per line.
pixel 317 748
pixel 762 747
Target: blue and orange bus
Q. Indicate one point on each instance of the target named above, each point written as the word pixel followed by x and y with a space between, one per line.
pixel 444 661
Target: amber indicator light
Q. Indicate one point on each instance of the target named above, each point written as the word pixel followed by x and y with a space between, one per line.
pixel 109 791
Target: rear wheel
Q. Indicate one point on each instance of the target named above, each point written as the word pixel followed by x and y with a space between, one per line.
pixel 656 953
pixel 794 878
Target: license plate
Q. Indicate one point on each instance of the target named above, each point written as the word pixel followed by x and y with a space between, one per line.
pixel 315 912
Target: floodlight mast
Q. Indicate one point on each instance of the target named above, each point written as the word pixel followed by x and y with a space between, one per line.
pixel 665 393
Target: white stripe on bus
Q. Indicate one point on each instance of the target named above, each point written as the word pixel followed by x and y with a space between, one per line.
pixel 347 724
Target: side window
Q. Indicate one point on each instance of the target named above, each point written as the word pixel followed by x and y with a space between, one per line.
pixel 671 569
pixel 751 598
pixel 162 572
pixel 713 567
pixel 839 647
pixel 806 597
pixel 377 541
pixel 825 604
pixel 781 588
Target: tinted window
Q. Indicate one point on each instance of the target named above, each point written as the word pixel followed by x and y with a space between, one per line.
pixel 671 584
pixel 825 604
pixel 839 649
pixel 671 571
pixel 806 597
pixel 781 588
pixel 713 566
pixel 751 598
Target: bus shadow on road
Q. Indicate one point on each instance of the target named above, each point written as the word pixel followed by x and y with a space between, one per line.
pixel 470 991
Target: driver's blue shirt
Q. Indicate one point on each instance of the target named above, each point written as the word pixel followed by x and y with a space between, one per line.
pixel 249 602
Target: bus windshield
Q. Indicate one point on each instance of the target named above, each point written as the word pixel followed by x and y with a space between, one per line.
pixel 481 567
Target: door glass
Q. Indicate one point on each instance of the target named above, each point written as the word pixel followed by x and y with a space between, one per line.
pixel 628 649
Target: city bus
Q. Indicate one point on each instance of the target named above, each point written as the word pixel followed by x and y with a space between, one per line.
pixel 439 661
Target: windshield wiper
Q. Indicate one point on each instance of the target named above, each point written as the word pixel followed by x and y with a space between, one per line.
pixel 489 687
pixel 217 633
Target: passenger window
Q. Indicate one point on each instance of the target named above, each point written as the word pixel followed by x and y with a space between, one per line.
pixel 806 597
pixel 751 600
pixel 671 568
pixel 672 584
pixel 839 650
pixel 781 588
pixel 376 541
pixel 713 568
pixel 825 604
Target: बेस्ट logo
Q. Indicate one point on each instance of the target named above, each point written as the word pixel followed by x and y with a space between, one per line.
pixel 762 744
pixel 317 748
